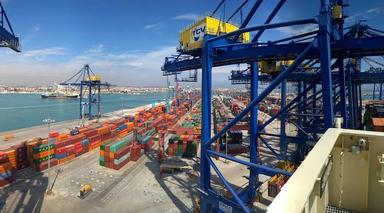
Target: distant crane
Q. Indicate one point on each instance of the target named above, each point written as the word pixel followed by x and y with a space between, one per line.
pixel 375 66
pixel 90 86
pixel 7 37
pixel 192 77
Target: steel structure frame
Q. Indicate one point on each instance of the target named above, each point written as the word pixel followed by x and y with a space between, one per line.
pixel 326 69
pixel 89 87
pixel 7 37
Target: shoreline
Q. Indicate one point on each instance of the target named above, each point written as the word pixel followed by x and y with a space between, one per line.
pixel 41 131
pixel 102 92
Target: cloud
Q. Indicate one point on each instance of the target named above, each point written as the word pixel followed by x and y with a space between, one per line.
pixel 377 10
pixel 155 26
pixel 134 68
pixel 283 32
pixel 129 68
pixel 365 15
pixel 297 30
pixel 36 28
pixel 226 70
pixel 95 50
pixel 41 54
pixel 188 17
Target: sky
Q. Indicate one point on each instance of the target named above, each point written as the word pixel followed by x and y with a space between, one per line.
pixel 126 41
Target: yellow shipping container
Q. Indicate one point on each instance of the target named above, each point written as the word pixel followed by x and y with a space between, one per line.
pixel 192 37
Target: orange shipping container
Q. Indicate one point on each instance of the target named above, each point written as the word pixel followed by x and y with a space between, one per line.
pixel 53 134
pixel 378 124
pixel 103 130
pixel 11 153
pixel 71 157
pixel 62 137
pixel 44 141
pixel 63 160
pixel 111 155
pixel 43 154
pixel 5 167
pixel 130 126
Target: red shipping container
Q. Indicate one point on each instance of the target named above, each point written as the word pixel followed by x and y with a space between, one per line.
pixel 86 148
pixel 106 136
pixel 106 157
pixel 90 133
pixel 118 167
pixel 184 146
pixel 94 138
pixel 122 152
pixel 93 143
pixel 44 165
pixel 70 147
pixel 79 150
pixel 147 146
pixel 70 150
pixel 61 150
pixel 170 151
pixel 5 182
pixel 60 144
pixel 78 145
pixel 135 152
pixel 53 134
pixel 3 157
pixel 74 139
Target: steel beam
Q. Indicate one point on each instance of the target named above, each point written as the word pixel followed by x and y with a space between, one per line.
pixel 260 168
pixel 268 90
pixel 247 53
pixel 269 19
pixel 283 100
pixel 247 18
pixel 221 177
pixel 253 152
pixel 205 173
pixel 325 62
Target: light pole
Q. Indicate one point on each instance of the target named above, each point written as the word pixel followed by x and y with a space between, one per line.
pixel 48 121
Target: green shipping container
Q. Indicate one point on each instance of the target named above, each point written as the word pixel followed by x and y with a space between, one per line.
pixel 40 160
pixel 102 163
pixel 189 151
pixel 151 132
pixel 102 146
pixel 175 137
pixel 42 148
pixel 180 149
pixel 118 145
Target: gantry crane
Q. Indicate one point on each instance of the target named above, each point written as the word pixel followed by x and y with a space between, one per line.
pixel 7 36
pixel 180 94
pixel 325 67
pixel 90 85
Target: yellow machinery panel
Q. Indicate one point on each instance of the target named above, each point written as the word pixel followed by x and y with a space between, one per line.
pixel 192 37
pixel 93 78
pixel 337 12
pixel 272 66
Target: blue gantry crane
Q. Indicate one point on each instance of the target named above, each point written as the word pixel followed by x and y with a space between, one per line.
pixel 90 85
pixel 325 66
pixel 7 36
